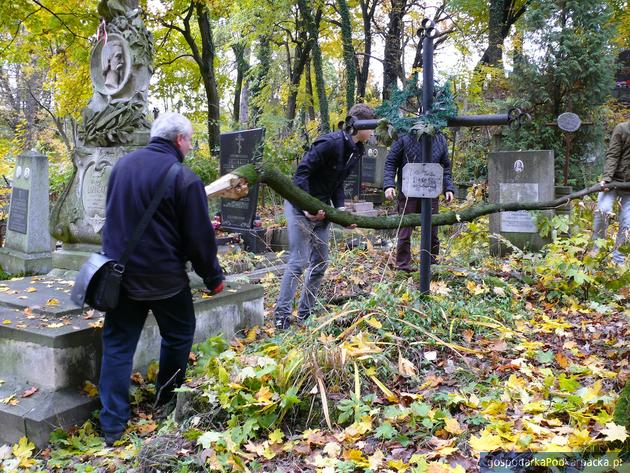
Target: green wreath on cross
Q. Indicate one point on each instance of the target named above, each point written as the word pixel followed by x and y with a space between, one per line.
pixel 395 118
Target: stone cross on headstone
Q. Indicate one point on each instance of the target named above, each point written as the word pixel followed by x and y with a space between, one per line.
pixel 27 247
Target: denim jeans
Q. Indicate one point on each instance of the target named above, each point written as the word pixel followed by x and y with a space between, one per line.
pixel 605 202
pixel 308 248
pixel 175 317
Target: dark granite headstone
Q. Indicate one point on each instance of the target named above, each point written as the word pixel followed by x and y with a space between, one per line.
pixel 18 213
pixel 237 149
pixel 352 184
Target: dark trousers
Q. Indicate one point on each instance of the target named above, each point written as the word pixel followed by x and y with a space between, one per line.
pixel 403 249
pixel 175 317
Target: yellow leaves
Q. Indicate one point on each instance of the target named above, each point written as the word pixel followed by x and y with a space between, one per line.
pixel 31 289
pixel 276 436
pixel 536 407
pixel 10 400
pixel 376 460
pixel 55 325
pixel 332 449
pixel 452 426
pixel 440 287
pixel 475 289
pixel 406 367
pixel 52 301
pixel 389 395
pixel 23 451
pixel 357 457
pixel 613 432
pixel 90 389
pixel 372 322
pixel 360 347
pixel 6 322
pixel 486 442
pixel 591 394
pixel 264 395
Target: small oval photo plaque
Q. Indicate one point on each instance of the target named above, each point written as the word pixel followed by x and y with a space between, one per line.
pixel 569 122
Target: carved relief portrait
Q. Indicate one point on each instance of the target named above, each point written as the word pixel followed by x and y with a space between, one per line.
pixel 110 65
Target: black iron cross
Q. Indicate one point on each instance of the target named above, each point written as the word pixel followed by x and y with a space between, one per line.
pixel 427 33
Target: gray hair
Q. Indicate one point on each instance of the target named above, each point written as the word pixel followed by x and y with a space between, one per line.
pixel 170 124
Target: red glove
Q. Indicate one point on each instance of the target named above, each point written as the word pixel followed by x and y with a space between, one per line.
pixel 217 289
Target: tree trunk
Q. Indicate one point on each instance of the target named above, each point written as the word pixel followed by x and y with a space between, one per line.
pixel 312 25
pixel 309 92
pixel 502 14
pixel 208 74
pixel 391 61
pixel 241 69
pixel 283 185
pixel 348 52
pixel 258 82
pixel 368 10
pixel 295 75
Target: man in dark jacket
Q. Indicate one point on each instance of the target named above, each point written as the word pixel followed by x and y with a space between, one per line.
pixel 616 168
pixel 408 149
pixel 321 173
pixel 155 276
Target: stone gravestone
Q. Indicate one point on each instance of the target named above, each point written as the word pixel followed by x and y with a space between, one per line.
pixel 372 170
pixel 519 176
pixel 114 124
pixel 352 184
pixel 27 246
pixel 237 149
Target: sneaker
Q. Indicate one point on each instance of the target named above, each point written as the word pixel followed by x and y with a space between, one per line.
pixel 282 323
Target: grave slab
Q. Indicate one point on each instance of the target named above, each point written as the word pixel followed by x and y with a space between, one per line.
pixel 49 343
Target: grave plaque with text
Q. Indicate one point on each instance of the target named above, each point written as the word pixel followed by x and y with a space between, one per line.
pixel 237 149
pixel 18 213
pixel 520 221
pixel 422 180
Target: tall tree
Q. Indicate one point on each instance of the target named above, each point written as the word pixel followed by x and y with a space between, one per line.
pixel 241 53
pixel 574 73
pixel 368 10
pixel 502 14
pixel 312 26
pixel 349 58
pixel 392 68
pixel 195 26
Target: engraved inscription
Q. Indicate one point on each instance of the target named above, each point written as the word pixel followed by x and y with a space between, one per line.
pixel 18 211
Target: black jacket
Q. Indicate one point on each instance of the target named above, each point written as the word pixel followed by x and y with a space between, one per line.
pixel 180 230
pixel 407 149
pixel 325 166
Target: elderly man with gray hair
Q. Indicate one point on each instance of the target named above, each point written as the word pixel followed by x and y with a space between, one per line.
pixel 155 275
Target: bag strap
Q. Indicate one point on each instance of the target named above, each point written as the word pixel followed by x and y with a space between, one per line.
pixel 148 214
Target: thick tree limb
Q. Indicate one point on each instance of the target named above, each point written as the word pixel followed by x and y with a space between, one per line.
pixel 265 173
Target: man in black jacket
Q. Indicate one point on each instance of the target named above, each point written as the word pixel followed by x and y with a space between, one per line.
pixel 320 173
pixel 408 149
pixel 155 276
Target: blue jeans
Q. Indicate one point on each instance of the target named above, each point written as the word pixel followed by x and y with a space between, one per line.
pixel 308 248
pixel 176 319
pixel 605 203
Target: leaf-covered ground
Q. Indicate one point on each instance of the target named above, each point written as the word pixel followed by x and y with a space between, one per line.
pixel 524 353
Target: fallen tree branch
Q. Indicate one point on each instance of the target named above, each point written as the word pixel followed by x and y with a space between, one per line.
pixel 250 175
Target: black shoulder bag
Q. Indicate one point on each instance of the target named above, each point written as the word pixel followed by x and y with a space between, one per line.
pixel 99 279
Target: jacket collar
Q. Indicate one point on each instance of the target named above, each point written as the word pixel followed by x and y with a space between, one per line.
pixel 166 146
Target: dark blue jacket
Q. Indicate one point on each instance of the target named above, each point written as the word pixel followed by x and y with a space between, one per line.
pixel 325 166
pixel 180 230
pixel 407 149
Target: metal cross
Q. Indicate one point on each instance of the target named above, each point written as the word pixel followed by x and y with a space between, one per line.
pixel 427 33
